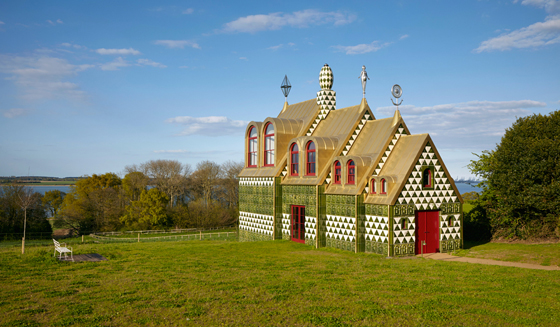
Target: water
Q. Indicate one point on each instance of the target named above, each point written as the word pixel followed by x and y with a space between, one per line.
pixel 464 188
pixel 45 188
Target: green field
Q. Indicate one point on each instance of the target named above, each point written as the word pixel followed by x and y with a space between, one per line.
pixel 277 283
pixel 538 254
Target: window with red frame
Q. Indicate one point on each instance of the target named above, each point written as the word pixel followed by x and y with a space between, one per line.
pixel 372 188
pixel 294 162
pixel 337 172
pixel 269 145
pixel 351 172
pixel 252 159
pixel 383 186
pixel 311 158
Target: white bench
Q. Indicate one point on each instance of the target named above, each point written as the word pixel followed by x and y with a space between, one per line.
pixel 61 250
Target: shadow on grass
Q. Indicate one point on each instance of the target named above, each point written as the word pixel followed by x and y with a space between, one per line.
pixel 471 244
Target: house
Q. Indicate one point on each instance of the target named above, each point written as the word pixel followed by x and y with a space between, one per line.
pixel 341 178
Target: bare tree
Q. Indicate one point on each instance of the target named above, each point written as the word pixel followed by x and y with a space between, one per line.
pixel 170 176
pixel 25 200
pixel 206 178
pixel 231 170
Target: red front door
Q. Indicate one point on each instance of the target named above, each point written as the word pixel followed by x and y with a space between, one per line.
pixel 427 232
pixel 298 224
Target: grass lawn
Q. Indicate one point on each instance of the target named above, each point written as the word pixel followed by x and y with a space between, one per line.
pixel 539 254
pixel 277 283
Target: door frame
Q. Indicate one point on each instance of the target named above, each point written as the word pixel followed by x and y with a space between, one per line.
pixel 434 220
pixel 301 224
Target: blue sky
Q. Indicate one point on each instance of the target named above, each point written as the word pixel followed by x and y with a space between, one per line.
pixel 88 87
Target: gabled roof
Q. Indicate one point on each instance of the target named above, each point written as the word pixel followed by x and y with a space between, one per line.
pixel 335 130
pixel 399 165
pixel 365 151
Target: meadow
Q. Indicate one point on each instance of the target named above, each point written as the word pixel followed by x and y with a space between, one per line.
pixel 277 283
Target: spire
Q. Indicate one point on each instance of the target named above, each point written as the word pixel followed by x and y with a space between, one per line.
pixel 396 118
pixel 285 106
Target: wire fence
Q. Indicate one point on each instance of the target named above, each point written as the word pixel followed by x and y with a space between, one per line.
pixel 227 233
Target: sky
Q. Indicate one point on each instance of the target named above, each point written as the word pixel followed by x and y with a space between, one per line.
pixel 89 87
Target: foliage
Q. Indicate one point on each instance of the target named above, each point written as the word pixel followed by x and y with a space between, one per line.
pixel 521 188
pixel 280 283
pixel 148 211
pixel 470 196
pixel 52 200
pixel 12 213
pixel 476 224
pixel 206 197
pixel 94 204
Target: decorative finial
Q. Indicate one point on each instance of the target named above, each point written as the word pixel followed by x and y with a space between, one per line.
pixel 397 93
pixel 286 87
pixel 364 78
pixel 326 78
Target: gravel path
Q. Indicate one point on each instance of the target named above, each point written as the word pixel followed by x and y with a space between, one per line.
pixel 447 257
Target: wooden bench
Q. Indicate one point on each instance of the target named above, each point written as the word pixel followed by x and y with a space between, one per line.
pixel 61 250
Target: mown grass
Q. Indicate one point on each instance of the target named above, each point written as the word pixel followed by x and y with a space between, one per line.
pixel 277 283
pixel 545 254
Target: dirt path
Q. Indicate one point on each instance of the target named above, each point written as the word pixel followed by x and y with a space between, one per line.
pixel 447 257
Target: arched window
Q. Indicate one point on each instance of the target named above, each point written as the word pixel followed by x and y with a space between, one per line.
pixel 269 145
pixel 337 172
pixel 252 159
pixel 383 186
pixel 427 178
pixel 351 172
pixel 311 158
pixel 294 156
pixel 372 187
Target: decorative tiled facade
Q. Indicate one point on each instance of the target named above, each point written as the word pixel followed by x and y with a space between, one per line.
pixel 344 215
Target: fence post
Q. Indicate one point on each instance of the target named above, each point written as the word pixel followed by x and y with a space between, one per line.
pixel 201 235
pixel 82 238
pixel 138 237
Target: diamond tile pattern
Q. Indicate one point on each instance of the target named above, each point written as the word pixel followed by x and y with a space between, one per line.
pixel 400 132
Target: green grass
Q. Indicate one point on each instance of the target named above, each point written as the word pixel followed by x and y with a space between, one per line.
pixel 277 283
pixel 467 206
pixel 538 254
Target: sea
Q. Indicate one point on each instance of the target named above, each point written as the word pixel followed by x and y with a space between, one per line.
pixel 462 187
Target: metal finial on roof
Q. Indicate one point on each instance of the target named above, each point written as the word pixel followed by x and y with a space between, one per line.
pixel 397 93
pixel 286 86
pixel 364 78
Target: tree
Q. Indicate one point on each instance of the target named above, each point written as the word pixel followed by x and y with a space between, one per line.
pixel 170 176
pixel 521 187
pixel 149 211
pixel 205 179
pixel 134 183
pixel 52 200
pixel 25 201
pixel 94 203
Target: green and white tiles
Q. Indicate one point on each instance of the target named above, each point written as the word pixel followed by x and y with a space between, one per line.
pixel 400 132
pixel 377 229
pixel 367 116
pixel 256 223
pixel 341 228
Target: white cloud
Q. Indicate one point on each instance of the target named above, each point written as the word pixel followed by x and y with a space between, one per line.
pixel 276 21
pixel 122 52
pixel 55 22
pixel 70 45
pixel 468 125
pixel 533 36
pixel 147 62
pixel 209 126
pixel 243 58
pixel 403 37
pixel 14 112
pixel 361 48
pixel 43 77
pixel 115 64
pixel 172 44
pixel 279 46
pixel 59 21
pixel 2 23
pixel 188 11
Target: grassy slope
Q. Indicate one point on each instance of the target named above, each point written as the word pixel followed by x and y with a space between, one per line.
pixel 278 283
pixel 539 254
